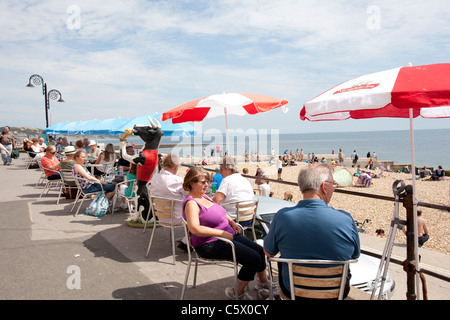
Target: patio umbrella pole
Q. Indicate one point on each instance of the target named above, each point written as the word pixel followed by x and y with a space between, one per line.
pixel 414 199
pixel 226 126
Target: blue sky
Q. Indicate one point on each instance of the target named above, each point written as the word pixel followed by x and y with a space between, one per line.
pixel 128 58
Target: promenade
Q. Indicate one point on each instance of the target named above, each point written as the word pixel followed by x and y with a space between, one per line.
pixel 46 253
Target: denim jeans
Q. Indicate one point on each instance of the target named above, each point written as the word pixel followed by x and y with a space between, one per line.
pixel 7 158
pixel 248 253
pixel 96 187
pixel 55 176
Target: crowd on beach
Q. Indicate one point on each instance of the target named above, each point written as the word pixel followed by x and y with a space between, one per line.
pixel 207 201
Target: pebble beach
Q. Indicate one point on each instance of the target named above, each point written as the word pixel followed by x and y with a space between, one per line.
pixel 379 212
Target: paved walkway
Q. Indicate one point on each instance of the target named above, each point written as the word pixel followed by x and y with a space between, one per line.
pixel 47 253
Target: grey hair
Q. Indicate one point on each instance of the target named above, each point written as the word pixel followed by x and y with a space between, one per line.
pixel 230 163
pixel 312 176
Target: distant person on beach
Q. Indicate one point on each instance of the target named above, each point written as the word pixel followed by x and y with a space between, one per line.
pixel 340 156
pixel 265 189
pixel 233 188
pixel 326 233
pixel 259 174
pixel 425 172
pixel 288 196
pixel 422 229
pixel 438 174
pixel 380 233
pixel 355 158
pixel 279 167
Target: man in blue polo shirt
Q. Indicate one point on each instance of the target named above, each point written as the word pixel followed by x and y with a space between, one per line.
pixel 312 229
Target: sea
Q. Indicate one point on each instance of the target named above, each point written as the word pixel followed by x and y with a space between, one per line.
pixel 432 146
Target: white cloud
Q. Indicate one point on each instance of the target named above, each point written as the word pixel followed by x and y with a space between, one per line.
pixel 131 57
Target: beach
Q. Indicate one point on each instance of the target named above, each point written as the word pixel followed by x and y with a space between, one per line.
pixel 378 211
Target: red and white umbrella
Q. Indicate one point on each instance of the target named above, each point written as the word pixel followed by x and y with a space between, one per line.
pixel 222 105
pixel 392 93
pixel 405 92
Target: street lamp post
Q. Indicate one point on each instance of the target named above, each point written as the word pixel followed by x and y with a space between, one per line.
pixel 52 94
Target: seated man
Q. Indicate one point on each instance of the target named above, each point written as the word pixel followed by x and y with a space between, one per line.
pixel 312 229
pixel 167 184
pixel 93 152
pixel 234 187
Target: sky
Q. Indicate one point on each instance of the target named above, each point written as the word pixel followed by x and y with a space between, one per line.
pixel 128 58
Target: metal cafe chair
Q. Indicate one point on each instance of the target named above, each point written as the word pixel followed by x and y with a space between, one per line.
pixel 315 279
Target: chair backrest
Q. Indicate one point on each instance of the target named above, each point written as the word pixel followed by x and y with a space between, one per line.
pixel 77 183
pixel 32 154
pixel 163 208
pixel 109 168
pixel 67 177
pixel 324 279
pixel 246 210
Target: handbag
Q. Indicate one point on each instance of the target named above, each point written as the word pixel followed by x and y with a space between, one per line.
pixel 15 154
pixel 98 206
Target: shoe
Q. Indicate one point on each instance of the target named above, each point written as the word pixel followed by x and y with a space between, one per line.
pixel 229 292
pixel 263 294
pixel 183 246
pixel 259 285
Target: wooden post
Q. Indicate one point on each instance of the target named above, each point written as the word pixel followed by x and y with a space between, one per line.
pixel 409 264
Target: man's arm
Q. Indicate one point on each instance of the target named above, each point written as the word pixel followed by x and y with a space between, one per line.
pixel 219 197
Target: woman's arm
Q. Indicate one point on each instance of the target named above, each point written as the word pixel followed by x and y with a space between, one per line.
pixel 192 211
pixel 79 169
pixel 99 159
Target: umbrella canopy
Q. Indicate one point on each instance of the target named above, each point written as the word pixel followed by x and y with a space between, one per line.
pixel 405 92
pixel 56 128
pixel 71 127
pixel 109 126
pixel 117 126
pixel 88 127
pixel 169 129
pixel 390 93
pixel 222 105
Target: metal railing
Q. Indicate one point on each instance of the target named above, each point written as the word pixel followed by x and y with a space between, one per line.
pixel 367 195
